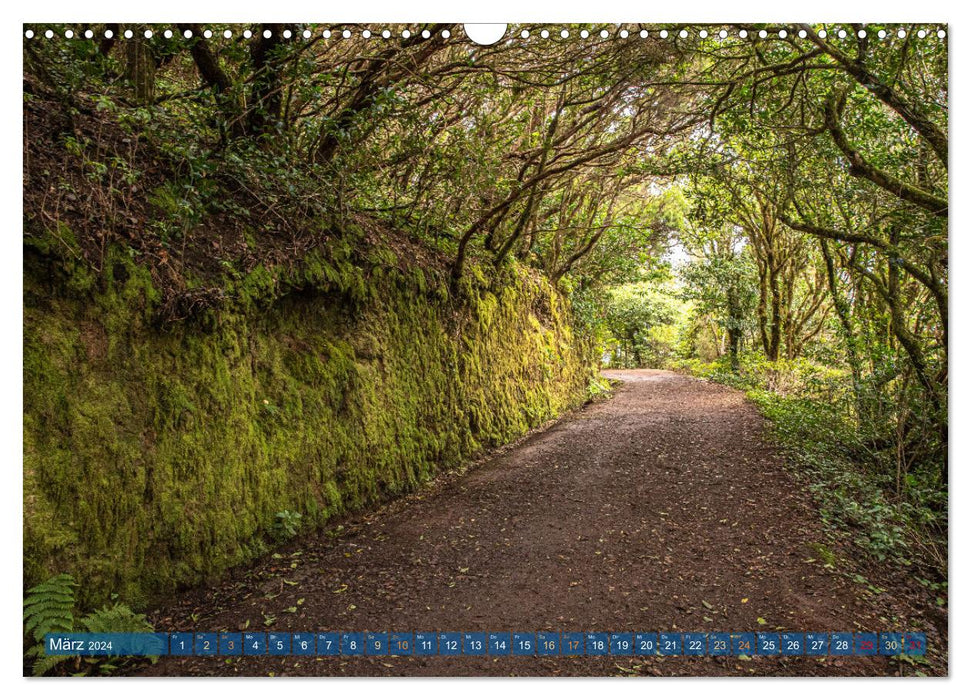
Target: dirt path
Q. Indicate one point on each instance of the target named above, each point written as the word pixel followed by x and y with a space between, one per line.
pixel 661 509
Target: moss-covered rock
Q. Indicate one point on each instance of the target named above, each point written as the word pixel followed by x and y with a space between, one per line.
pixel 156 456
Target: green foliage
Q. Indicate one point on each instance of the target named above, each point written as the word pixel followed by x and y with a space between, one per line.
pixel 281 129
pixel 806 405
pixel 640 320
pixel 286 525
pixel 599 389
pixel 721 283
pixel 631 250
pixel 49 607
pixel 116 617
pixel 850 494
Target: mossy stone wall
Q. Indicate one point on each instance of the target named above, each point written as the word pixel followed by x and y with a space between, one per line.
pixel 157 456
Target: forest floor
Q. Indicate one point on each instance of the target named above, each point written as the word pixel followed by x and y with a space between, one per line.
pixel 663 508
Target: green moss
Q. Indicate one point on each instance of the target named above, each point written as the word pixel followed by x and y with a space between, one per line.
pixel 155 458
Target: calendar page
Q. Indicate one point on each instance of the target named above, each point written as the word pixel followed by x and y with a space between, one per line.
pixel 528 349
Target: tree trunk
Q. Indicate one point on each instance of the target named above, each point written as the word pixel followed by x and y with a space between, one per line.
pixel 140 66
pixel 263 110
pixel 775 300
pixel 842 308
pixel 734 328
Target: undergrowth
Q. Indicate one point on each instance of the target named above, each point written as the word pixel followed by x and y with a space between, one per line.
pixel 49 608
pixel 805 405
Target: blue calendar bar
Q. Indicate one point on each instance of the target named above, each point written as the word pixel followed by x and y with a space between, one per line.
pixel 522 644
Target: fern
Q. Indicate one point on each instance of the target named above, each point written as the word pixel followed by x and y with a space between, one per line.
pixel 42 662
pixel 117 618
pixel 49 607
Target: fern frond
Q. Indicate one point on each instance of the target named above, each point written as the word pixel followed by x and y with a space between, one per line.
pixel 32 606
pixel 42 662
pixel 116 618
pixel 49 607
pixel 62 583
